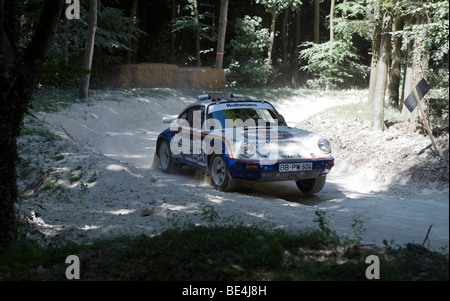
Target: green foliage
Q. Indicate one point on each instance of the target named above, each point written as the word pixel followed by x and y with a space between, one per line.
pixel 351 20
pixel 187 21
pixel 113 34
pixel 75 174
pixel 115 29
pixel 70 38
pixel 334 64
pixel 245 62
pixel 439 107
pixel 61 73
pixel 331 67
pixel 324 226
pixel 434 33
pixel 53 100
pixel 219 253
pixel 279 5
pixel 209 213
pixel 358 230
pixel 248 67
pixel 46 135
pixel 28 13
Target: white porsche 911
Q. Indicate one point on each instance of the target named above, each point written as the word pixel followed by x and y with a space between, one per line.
pixel 239 138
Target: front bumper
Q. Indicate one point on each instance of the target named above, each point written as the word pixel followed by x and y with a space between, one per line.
pixel 255 171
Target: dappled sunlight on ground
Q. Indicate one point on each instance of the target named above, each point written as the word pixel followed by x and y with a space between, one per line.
pixel 97 179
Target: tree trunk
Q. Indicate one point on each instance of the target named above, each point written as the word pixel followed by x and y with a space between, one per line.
pixel 9 129
pixel 344 13
pixel 420 65
pixel 133 12
pixel 408 70
pixel 172 33
pixel 380 87
pixel 394 74
pixel 17 86
pixel 271 38
pixel 89 50
pixel 197 38
pixel 3 65
pixel 284 44
pixel 317 21
pixel 331 42
pixel 222 32
pixel 332 25
pixel 272 33
pixel 66 38
pixel 376 41
pixel 294 57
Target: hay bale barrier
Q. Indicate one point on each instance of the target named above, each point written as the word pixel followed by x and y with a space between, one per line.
pixel 155 76
pixel 124 76
pixel 202 79
pixel 165 76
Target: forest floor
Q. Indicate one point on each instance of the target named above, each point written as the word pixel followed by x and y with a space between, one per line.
pixel 88 172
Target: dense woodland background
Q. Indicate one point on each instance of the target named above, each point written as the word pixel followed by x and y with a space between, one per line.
pixel 304 50
pixel 381 45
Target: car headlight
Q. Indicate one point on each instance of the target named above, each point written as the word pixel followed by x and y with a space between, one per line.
pixel 324 145
pixel 247 149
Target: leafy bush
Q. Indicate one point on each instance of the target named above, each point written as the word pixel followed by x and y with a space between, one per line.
pixel 61 73
pixel 248 68
pixel 114 31
pixel 331 68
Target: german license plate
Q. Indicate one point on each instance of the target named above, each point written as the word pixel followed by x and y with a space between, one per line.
pixel 292 167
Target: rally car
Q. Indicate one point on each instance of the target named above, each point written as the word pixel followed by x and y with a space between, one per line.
pixel 243 138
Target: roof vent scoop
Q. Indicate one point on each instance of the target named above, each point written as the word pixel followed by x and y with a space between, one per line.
pixel 237 96
pixel 203 97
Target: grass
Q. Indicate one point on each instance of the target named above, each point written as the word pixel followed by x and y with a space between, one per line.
pixel 35 127
pixel 75 174
pixel 54 100
pixel 362 111
pixel 221 253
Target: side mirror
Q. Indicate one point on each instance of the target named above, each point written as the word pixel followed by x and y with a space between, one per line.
pixel 169 118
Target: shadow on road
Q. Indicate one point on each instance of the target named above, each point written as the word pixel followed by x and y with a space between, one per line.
pixel 285 190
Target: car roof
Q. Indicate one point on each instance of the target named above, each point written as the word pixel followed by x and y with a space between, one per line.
pixel 206 100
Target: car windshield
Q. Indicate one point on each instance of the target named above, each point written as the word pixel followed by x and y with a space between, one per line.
pixel 256 116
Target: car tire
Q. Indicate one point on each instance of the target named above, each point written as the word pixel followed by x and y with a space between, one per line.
pixel 220 175
pixel 166 160
pixel 311 186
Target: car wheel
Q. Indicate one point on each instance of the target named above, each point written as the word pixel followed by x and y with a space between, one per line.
pixel 166 160
pixel 220 175
pixel 310 186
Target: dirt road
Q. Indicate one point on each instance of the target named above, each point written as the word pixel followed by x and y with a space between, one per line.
pixel 103 183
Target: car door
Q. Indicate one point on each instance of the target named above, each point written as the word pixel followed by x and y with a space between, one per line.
pixel 193 155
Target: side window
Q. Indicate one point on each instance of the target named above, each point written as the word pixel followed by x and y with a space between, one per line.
pixel 197 117
pixel 194 116
pixel 184 115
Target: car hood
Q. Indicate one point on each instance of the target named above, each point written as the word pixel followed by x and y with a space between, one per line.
pixel 276 143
